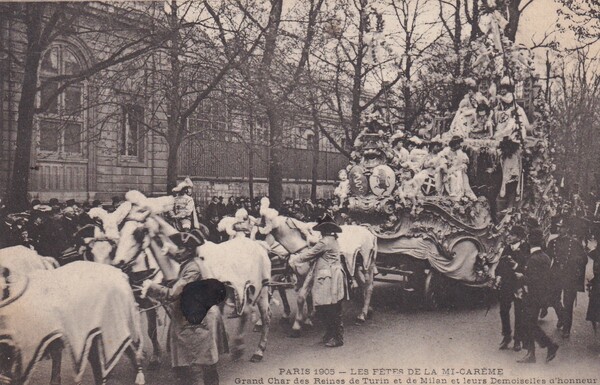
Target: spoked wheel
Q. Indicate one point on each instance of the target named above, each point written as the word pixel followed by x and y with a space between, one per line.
pixel 431 292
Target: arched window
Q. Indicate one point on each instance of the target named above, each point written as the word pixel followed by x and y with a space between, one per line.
pixel 61 123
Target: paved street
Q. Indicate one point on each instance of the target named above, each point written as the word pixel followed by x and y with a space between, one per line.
pixel 396 337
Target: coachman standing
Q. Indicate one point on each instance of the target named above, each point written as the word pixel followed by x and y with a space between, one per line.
pixel 329 286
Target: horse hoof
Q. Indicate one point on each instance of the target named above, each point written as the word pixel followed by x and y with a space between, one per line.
pixel 153 365
pixel 360 320
pixel 257 328
pixel 295 334
pixel 308 325
pixel 256 358
pixel 284 320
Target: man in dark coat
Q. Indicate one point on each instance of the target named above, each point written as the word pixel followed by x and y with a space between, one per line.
pixel 512 262
pixel 569 260
pixel 535 280
pixel 212 210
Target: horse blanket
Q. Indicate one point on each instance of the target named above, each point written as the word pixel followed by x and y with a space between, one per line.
pixel 239 263
pixel 23 260
pixel 77 303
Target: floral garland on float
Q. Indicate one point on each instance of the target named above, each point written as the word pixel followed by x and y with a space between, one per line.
pixel 452 199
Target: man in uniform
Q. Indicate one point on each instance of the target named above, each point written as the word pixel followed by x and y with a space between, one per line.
pixel 512 263
pixel 535 280
pixel 569 260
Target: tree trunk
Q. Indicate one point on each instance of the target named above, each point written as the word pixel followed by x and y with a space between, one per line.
pixel 172 166
pixel 17 199
pixel 514 15
pixel 315 164
pixel 175 127
pixel 358 74
pixel 251 158
pixel 275 157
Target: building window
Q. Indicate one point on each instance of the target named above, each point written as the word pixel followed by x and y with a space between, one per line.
pixel 310 141
pixel 61 122
pixel 132 131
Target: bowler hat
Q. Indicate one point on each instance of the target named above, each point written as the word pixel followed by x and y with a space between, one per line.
pixel 326 225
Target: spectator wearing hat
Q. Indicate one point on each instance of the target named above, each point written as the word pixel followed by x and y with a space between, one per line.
pixel 221 208
pixel 329 283
pixel 511 265
pixel 192 344
pixel 231 207
pixel 569 260
pixel 212 211
pixel 535 282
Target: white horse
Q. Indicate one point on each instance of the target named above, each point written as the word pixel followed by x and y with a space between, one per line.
pixel 241 264
pixel 101 246
pixel 358 246
pixel 83 307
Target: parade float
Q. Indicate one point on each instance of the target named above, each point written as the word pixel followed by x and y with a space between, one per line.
pixel 441 204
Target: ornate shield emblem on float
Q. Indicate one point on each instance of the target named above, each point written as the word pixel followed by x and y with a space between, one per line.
pixel 382 180
pixel 359 185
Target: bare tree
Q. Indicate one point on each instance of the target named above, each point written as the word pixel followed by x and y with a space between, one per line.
pixel 131 34
pixel 575 109
pixel 273 74
pixel 583 18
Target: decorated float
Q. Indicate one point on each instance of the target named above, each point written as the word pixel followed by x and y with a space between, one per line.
pixel 441 205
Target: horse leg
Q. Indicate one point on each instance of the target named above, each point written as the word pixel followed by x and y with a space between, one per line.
pixel 287 311
pixel 136 361
pixel 55 353
pixel 152 318
pixel 238 343
pixel 300 313
pixel 310 311
pixel 96 364
pixel 264 309
pixel 366 284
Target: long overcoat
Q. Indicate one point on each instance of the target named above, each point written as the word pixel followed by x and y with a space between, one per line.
pixel 191 344
pixel 329 281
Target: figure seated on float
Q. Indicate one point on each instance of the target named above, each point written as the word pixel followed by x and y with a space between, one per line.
pixel 343 188
pixel 483 128
pixel 465 119
pixel 417 154
pixel 457 182
pixel 435 167
pixel 408 192
pixel 400 153
pixel 508 117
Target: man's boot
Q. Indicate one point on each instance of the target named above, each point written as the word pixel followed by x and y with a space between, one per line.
pixel 552 349
pixel 505 342
pixel 529 358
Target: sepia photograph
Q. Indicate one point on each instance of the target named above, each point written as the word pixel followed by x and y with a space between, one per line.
pixel 317 192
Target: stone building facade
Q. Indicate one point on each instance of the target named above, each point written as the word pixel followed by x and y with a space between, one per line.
pixel 90 143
